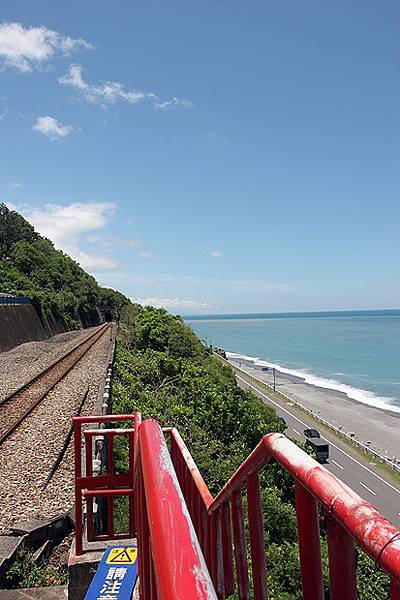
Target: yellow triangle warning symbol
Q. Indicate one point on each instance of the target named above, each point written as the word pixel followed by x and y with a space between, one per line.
pixel 123 555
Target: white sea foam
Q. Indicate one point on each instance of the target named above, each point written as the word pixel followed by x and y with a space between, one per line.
pixel 360 395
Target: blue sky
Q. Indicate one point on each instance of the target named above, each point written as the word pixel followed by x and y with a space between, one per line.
pixel 210 156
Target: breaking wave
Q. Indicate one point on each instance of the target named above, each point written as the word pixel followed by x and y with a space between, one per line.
pixel 359 395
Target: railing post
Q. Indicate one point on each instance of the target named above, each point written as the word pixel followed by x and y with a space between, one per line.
pixel 227 549
pixel 110 471
pixel 136 424
pixel 217 567
pixel 191 504
pixel 207 543
pixel 204 519
pixel 256 527
pixel 394 590
pixel 78 490
pixel 89 501
pixel 342 563
pixel 197 513
pixel 213 549
pixel 144 541
pixel 132 458
pixel 240 546
pixel 309 545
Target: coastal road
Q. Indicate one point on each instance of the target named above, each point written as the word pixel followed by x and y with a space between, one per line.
pixel 358 473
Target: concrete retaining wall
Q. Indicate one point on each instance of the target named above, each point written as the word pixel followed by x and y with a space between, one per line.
pixel 21 323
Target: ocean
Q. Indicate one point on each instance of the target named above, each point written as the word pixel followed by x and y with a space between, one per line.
pixel 355 352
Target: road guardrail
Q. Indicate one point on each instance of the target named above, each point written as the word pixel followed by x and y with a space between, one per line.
pixel 350 438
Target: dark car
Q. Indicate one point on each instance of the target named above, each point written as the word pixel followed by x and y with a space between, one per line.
pixel 282 422
pixel 320 447
pixel 312 433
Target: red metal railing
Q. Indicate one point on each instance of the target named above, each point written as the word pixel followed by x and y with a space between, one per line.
pixel 220 523
pixel 171 564
pixel 178 521
pixel 109 485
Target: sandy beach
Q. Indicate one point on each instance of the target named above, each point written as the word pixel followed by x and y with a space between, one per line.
pixel 378 426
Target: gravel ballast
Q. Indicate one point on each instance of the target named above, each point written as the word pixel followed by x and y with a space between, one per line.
pixel 28 455
pixel 23 362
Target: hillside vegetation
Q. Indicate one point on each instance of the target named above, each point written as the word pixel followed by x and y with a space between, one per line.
pixel 31 266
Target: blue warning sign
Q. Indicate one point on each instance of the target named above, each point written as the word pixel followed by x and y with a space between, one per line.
pixel 116 575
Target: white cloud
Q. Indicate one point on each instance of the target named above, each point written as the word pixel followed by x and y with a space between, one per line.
pixel 216 253
pixel 211 283
pixel 93 261
pixel 146 254
pixel 173 103
pixel 107 93
pixel 24 48
pixel 14 185
pixel 65 225
pixel 112 241
pixel 175 303
pixel 52 128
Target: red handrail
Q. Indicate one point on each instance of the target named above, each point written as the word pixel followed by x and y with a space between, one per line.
pixel 178 521
pixel 171 564
pixel 349 519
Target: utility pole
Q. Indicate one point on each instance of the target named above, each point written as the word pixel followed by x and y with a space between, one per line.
pixel 273 371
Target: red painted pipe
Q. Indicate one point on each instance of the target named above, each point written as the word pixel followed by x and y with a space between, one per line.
pixel 192 467
pixel 226 530
pixel 370 530
pixel 256 527
pixel 309 545
pixel 342 563
pixel 394 591
pixel 179 567
pixel 376 536
pixel 240 547
pixel 78 489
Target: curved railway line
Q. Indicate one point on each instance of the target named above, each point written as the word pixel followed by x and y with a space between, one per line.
pixel 18 405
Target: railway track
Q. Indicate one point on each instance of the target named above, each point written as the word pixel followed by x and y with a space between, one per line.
pixel 18 405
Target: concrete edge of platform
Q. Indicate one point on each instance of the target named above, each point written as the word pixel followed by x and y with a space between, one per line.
pixel 29 536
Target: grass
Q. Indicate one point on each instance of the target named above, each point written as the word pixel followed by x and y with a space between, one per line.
pixel 26 573
pixel 121 514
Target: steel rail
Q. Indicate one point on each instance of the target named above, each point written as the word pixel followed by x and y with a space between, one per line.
pixel 92 339
pixel 39 375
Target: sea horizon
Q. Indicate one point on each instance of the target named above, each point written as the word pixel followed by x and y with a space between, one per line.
pixel 291 314
pixel 356 352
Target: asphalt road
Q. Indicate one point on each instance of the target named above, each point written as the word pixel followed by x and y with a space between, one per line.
pixel 358 473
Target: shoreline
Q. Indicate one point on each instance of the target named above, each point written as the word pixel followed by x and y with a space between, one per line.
pixel 352 392
pixel 369 423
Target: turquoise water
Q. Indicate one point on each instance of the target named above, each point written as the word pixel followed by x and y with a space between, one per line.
pixel 356 352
